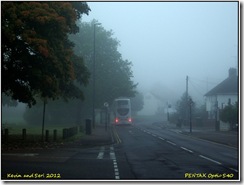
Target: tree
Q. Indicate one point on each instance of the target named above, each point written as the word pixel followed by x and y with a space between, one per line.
pixel 37 56
pixel 182 107
pixel 137 102
pixel 113 75
pixel 230 114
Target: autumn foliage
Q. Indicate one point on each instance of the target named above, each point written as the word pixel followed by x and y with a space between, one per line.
pixel 37 56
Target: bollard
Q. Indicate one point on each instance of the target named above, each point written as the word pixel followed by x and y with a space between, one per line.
pixel 55 135
pixel 24 134
pixel 47 135
pixel 88 127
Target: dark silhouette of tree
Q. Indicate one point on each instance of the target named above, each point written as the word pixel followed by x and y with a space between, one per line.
pixel 113 78
pixel 113 74
pixel 230 114
pixel 137 102
pixel 37 56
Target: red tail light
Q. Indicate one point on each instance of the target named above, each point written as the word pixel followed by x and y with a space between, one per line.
pixel 129 119
pixel 116 120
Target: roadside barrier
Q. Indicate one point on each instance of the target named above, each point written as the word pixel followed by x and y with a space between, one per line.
pixel 69 132
pixel 24 135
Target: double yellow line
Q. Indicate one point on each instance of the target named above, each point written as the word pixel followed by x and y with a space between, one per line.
pixel 115 135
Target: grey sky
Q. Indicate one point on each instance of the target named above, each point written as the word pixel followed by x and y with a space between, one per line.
pixel 166 41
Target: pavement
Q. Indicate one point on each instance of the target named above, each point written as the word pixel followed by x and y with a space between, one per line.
pixel 229 138
pixel 100 135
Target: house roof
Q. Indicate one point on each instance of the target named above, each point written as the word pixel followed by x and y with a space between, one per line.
pixel 228 86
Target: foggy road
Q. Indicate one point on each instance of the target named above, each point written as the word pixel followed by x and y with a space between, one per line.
pixel 75 73
pixel 155 153
pixel 143 151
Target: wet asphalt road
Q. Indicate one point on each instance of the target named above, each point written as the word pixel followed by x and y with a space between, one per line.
pixel 139 152
pixel 158 154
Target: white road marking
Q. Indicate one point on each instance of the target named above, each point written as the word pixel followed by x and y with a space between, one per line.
pixel 233 169
pixel 113 157
pixel 209 159
pixel 171 143
pixel 161 138
pixel 101 153
pixel 186 149
pixel 21 154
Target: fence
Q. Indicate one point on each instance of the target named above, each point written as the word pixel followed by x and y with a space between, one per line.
pixel 24 136
pixel 69 132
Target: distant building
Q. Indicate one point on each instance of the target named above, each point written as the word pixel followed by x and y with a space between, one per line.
pixel 150 105
pixel 223 94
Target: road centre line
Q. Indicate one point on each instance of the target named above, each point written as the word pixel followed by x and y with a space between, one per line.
pixel 171 143
pixel 118 140
pixel 233 169
pixel 161 138
pixel 186 149
pixel 202 156
pixel 209 159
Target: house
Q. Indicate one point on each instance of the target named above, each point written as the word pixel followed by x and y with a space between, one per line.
pixel 223 94
pixel 150 105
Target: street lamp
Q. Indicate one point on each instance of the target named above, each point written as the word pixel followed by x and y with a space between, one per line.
pixel 94 72
pixel 168 106
pixel 190 104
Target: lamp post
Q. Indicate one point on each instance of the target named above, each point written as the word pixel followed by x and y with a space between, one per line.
pixel 94 74
pixel 168 106
pixel 190 105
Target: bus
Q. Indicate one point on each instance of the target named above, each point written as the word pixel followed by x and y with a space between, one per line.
pixel 122 111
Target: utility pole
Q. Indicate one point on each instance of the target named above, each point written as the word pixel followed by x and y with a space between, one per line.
pixel 190 104
pixel 94 75
pixel 186 99
pixel 186 86
pixel 43 117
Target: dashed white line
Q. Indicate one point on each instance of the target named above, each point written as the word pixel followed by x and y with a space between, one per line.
pixel 112 155
pixel 186 149
pixel 116 169
pixel 171 143
pixel 161 138
pixel 233 169
pixel 21 154
pixel 101 153
pixel 209 159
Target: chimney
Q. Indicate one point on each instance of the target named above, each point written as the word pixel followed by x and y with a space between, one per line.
pixel 232 72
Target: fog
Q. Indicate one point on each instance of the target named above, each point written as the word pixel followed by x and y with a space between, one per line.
pixel 167 41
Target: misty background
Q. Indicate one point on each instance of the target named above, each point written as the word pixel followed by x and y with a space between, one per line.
pixel 167 41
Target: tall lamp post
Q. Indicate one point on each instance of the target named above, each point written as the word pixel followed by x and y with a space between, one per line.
pixel 94 74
